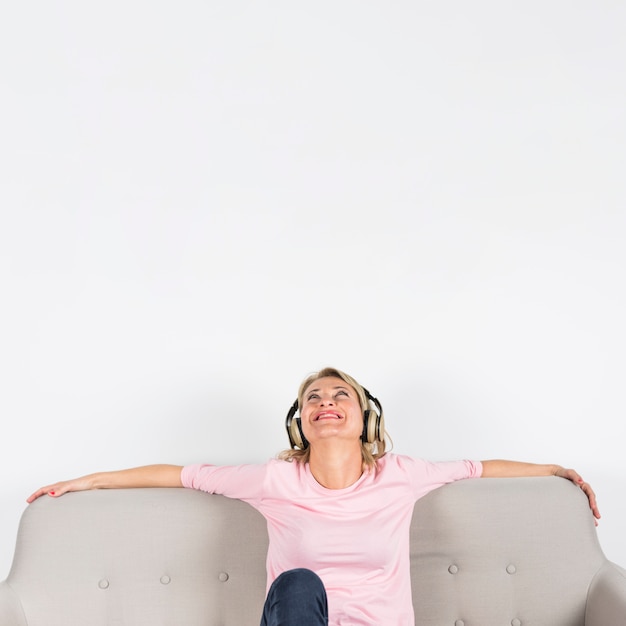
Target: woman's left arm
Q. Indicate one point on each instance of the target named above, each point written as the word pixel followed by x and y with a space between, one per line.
pixel 498 468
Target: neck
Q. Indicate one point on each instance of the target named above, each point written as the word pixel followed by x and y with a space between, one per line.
pixel 336 468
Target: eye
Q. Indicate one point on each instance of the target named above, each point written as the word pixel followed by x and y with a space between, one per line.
pixel 342 392
pixel 312 396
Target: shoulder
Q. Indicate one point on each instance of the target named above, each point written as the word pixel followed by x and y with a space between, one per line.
pixel 423 469
pixel 283 466
pixel 398 461
pixel 397 464
pixel 422 475
pixel 282 469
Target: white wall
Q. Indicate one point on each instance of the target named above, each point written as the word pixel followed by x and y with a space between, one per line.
pixel 203 202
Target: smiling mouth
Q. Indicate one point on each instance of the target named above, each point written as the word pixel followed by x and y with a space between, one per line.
pixel 326 416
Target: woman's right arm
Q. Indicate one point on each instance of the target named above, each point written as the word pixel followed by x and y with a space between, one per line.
pixel 146 476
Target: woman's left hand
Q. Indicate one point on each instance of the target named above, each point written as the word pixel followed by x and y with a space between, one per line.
pixel 576 478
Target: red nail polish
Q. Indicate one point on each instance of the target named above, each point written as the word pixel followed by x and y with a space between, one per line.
pixel 51 493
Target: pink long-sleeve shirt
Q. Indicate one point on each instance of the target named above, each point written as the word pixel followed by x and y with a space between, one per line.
pixel 356 539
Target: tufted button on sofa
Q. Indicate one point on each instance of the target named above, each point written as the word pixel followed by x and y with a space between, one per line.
pixel 487 552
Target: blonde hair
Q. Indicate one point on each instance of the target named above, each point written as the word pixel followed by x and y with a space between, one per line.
pixel 370 452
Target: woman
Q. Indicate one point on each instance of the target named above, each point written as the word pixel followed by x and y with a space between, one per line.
pixel 338 507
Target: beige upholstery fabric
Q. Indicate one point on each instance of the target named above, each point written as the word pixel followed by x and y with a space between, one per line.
pixel 492 551
pixel 486 552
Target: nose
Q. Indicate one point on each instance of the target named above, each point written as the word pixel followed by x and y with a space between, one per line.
pixel 327 400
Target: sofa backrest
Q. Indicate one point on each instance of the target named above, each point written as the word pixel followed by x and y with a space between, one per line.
pixel 488 551
pixel 503 551
pixel 135 557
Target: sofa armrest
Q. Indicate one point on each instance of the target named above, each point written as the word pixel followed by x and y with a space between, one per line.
pixel 606 601
pixel 10 607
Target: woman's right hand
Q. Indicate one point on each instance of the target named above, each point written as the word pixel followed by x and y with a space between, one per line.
pixel 58 489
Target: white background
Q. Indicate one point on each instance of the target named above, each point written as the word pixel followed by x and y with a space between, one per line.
pixel 203 202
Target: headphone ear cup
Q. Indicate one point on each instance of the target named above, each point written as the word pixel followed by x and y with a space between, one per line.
pixel 293 426
pixel 373 421
pixel 297 436
pixel 371 427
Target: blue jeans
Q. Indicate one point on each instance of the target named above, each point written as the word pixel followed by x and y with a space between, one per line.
pixel 296 598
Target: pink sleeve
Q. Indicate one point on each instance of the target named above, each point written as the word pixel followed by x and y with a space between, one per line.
pixel 428 475
pixel 244 482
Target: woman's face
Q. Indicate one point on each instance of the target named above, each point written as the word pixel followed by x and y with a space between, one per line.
pixel 330 408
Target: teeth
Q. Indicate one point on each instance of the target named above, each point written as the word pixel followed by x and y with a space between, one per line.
pixel 328 415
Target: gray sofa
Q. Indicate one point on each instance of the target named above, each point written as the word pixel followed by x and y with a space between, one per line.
pixel 488 552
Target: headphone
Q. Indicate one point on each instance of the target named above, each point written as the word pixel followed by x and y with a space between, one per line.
pixel 373 424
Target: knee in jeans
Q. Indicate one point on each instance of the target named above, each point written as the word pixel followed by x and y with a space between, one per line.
pixel 299 579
